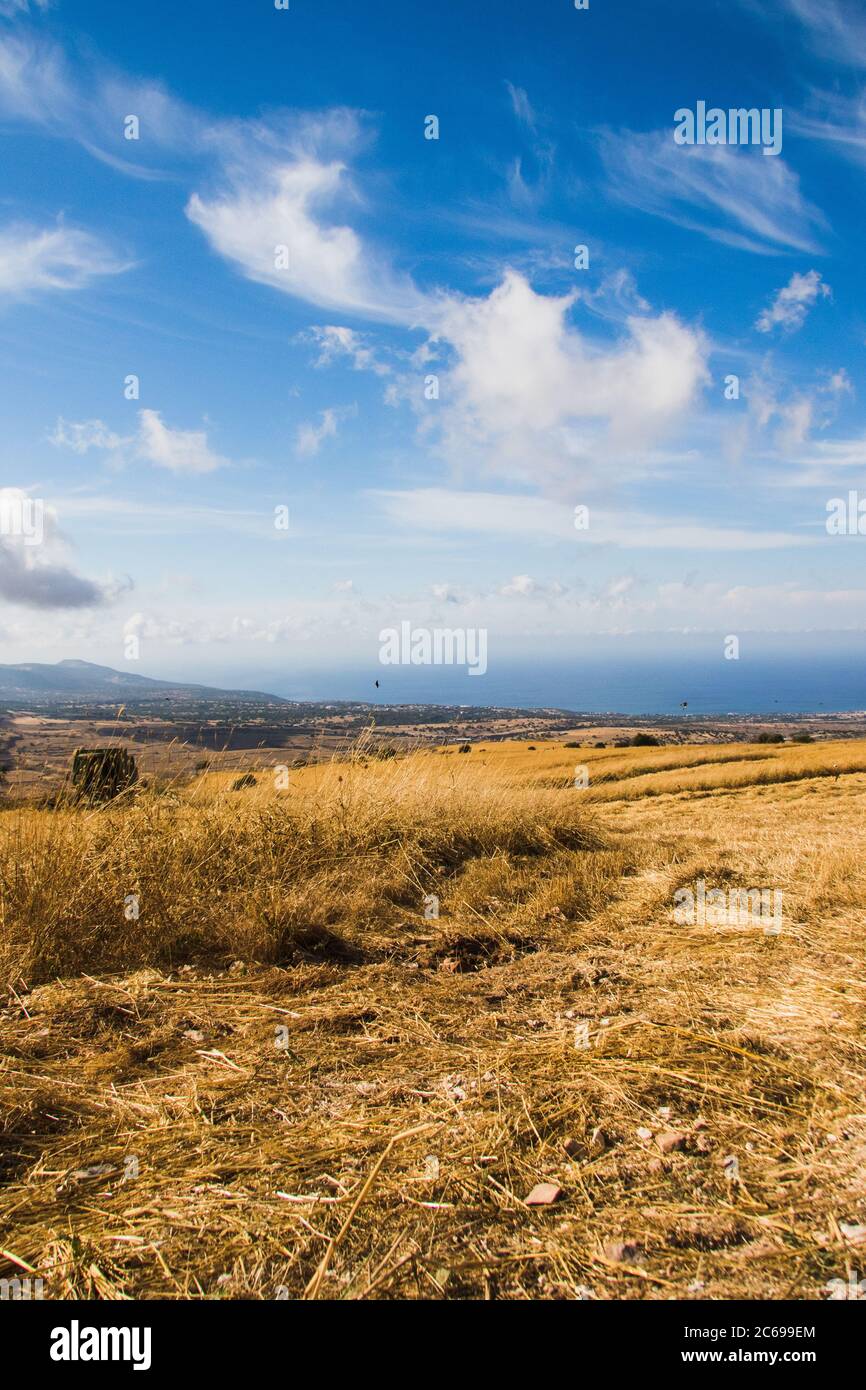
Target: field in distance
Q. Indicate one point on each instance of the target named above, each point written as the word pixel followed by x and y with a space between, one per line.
pixel 174 741
pixel 427 1026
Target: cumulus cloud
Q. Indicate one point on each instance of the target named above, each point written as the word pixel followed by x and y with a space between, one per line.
pixel 792 302
pixel 336 342
pixel 525 391
pixel 40 585
pixel 532 397
pixel 180 451
pixel 522 609
pixel 31 571
pixel 57 258
pixel 522 584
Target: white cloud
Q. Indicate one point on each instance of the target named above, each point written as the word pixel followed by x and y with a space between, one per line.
pixel 181 451
pixel 839 383
pixel 58 258
pixel 32 569
pixel 81 436
pixel 531 397
pixel 797 417
pixel 522 584
pixel 835 29
pixel 90 103
pixel 825 462
pixel 152 517
pixel 528 174
pixel 522 106
pixel 523 609
pixel 615 588
pixel 513 514
pixel 479 513
pixel 338 342
pixel 10 9
pixel 726 192
pixel 838 119
pixel 792 302
pixel 311 437
pixel 339 629
pixel 778 421
pixel 445 593
pixel 284 182
pixel 273 221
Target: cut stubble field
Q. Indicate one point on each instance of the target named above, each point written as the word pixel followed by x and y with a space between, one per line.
pixel 243 1058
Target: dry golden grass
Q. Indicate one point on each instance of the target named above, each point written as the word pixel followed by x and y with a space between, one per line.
pixel 284 1079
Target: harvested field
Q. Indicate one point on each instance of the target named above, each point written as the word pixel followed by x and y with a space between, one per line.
pixel 244 1058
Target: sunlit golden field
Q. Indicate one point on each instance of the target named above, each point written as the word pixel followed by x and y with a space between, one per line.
pixel 243 1056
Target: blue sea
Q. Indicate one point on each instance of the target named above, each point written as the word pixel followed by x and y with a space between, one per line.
pixel 825 673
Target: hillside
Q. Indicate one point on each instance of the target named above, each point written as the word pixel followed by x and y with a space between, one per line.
pixel 82 680
pixel 286 1074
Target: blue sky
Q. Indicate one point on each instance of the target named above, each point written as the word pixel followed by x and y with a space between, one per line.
pixel 284 261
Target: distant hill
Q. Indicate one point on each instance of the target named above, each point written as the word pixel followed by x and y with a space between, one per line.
pixel 82 680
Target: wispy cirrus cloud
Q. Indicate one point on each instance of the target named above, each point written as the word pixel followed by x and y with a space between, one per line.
pixel 726 192
pixel 828 463
pixel 34 259
pixel 529 173
pixel 13 9
pixel 89 103
pixel 516 514
pixel 522 106
pixel 835 28
pixel 273 196
pixel 837 119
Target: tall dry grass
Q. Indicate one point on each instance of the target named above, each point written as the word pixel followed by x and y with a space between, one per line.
pixel 340 854
pixel 431 1075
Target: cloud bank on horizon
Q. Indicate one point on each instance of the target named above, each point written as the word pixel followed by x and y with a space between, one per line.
pixel 506 353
